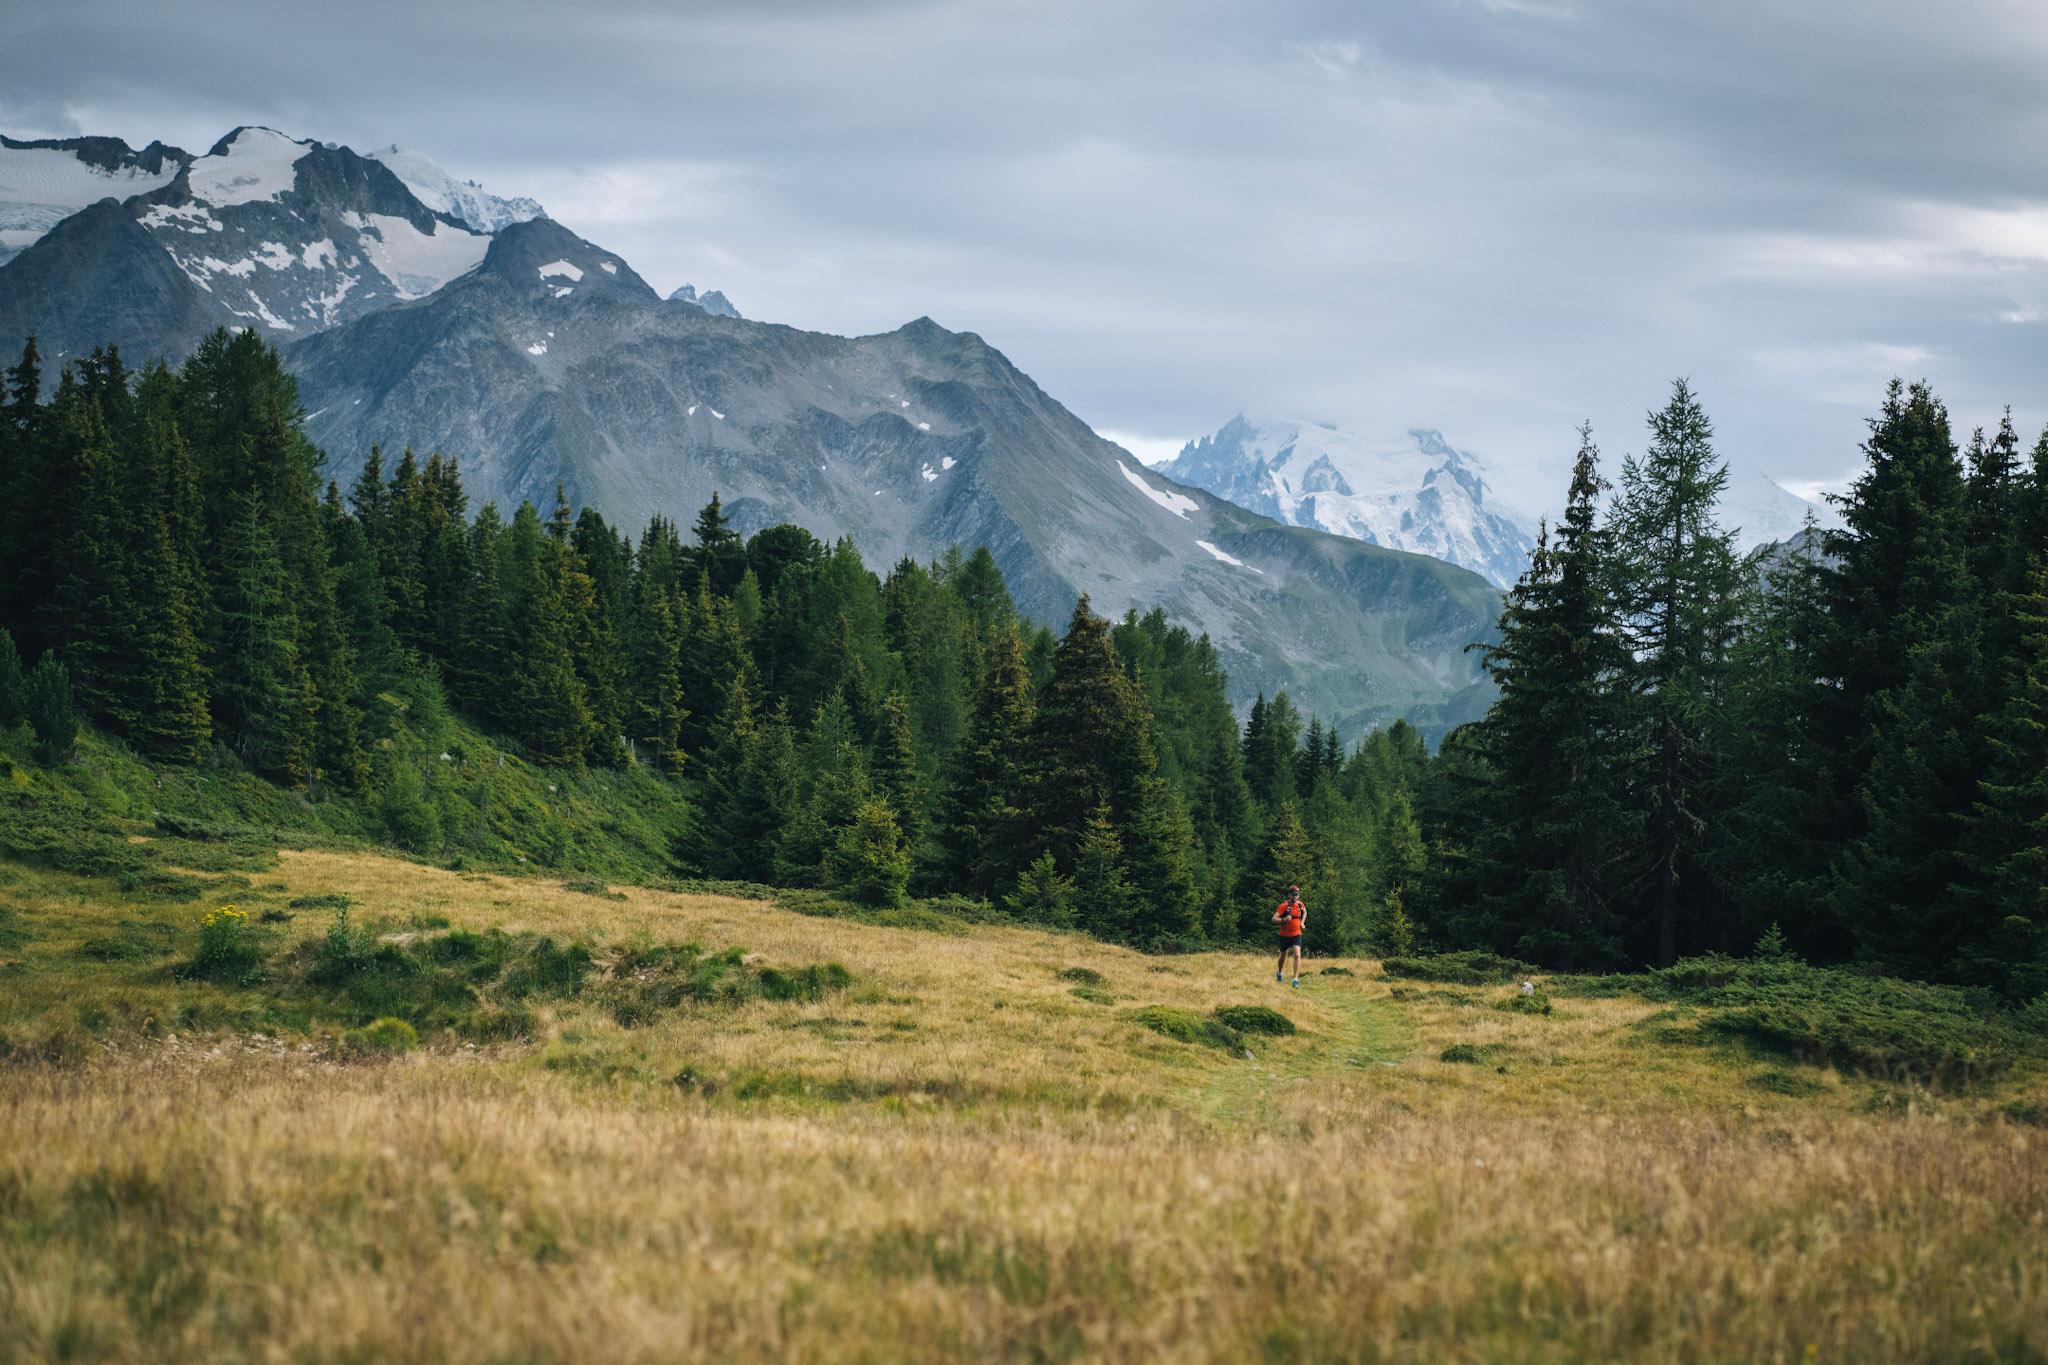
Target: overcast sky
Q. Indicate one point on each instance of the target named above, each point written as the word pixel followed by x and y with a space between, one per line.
pixel 1495 217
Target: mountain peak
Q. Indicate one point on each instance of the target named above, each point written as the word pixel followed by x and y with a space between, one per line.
pixel 1422 495
pixel 540 255
pixel 464 200
pixel 710 301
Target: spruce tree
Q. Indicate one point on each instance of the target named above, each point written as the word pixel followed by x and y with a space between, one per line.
pixel 897 777
pixel 51 715
pixel 263 704
pixel 1678 585
pixel 2001 910
pixel 1536 786
pixel 982 829
pixel 868 861
pixel 1102 893
pixel 13 684
pixel 1282 860
pixel 1042 895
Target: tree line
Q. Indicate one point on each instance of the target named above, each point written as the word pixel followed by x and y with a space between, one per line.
pixel 172 555
pixel 1842 743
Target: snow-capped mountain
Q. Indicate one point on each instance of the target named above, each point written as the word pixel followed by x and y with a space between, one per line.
pixel 463 200
pixel 1761 512
pixel 267 231
pixel 534 357
pixel 1419 493
pixel 44 182
pixel 711 301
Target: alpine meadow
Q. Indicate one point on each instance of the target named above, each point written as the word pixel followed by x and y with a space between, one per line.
pixel 547 818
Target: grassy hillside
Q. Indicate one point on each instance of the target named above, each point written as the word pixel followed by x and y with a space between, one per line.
pixel 647 1125
pixel 470 803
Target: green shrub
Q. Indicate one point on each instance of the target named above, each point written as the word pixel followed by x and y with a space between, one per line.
pixel 807 983
pixel 227 948
pixel 548 971
pixel 1778 1081
pixel 1094 995
pixel 1086 976
pixel 2030 1112
pixel 382 1037
pixel 1902 1030
pixel 1460 1052
pixel 1473 967
pixel 1255 1019
pixel 1186 1026
pixel 1535 1002
pixel 156 885
pixel 50 711
pixel 331 900
pixel 134 941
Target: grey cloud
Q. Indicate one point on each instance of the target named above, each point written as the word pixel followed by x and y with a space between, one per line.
pixel 1493 216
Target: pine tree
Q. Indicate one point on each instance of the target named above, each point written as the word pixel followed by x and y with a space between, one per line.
pixel 1901 653
pixel 13 684
pixel 1042 895
pixel 1102 894
pixel 897 777
pixel 1283 860
pixel 51 715
pixel 262 699
pixel 1679 586
pixel 718 554
pixel 868 861
pixel 654 690
pixel 1533 794
pixel 983 829
pixel 2001 913
pixel 548 708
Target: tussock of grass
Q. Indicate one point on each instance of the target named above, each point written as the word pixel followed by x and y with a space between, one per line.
pixel 1255 1019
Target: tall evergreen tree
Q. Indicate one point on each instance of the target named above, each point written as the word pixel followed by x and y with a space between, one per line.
pixel 1549 752
pixel 982 829
pixel 1679 587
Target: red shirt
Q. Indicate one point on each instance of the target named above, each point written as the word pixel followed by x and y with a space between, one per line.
pixel 1292 915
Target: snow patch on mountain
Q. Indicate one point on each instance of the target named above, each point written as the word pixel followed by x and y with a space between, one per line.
pixel 1180 504
pixel 1418 493
pixel 248 165
pixel 417 263
pixel 1763 512
pixel 42 184
pixel 464 200
pixel 1226 558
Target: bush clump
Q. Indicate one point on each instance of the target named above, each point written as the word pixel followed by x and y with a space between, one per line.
pixel 1473 967
pixel 1533 1002
pixel 1186 1026
pixel 1082 976
pixel 227 954
pixel 1255 1019
pixel 1460 1052
pixel 1829 1016
pixel 385 1037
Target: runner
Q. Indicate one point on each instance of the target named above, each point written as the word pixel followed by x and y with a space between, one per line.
pixel 1290 915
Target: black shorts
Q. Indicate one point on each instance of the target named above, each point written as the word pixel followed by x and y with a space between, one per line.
pixel 1289 941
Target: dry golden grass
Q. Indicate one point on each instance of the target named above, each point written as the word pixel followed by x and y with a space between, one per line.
pixel 959 1158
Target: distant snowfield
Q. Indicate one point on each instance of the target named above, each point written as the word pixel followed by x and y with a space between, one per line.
pixel 258 164
pixel 1180 504
pixel 42 186
pixel 1215 553
pixel 417 263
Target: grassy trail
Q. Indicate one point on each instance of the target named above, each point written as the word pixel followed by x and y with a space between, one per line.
pixel 1373 1033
